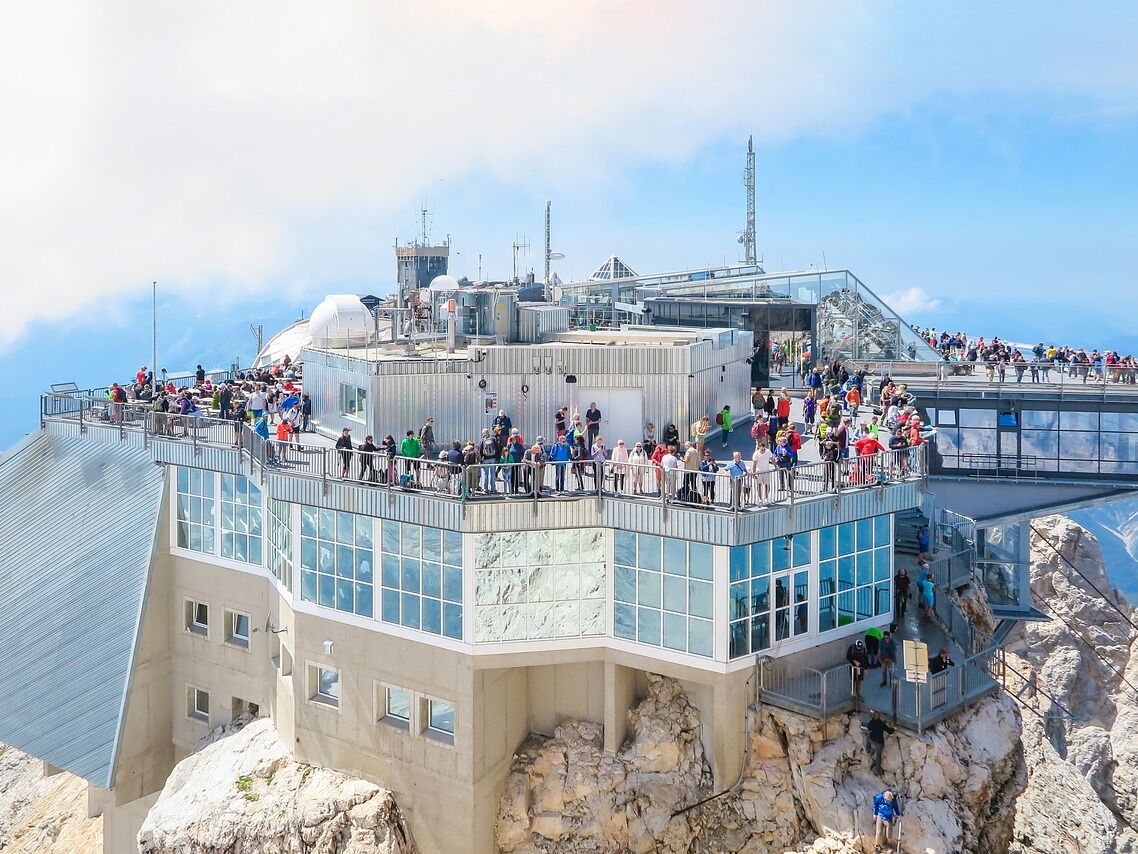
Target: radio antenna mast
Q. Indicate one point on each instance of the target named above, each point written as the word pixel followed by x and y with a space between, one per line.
pixel 749 252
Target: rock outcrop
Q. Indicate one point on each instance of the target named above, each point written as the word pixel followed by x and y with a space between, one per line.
pixel 240 790
pixel 806 785
pixel 44 815
pixel 1080 730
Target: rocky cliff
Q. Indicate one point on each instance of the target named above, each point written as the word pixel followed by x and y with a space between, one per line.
pixel 1053 768
pixel 1076 675
pixel 241 791
pixel 43 815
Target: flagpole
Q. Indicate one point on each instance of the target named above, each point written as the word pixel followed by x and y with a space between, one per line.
pixel 154 328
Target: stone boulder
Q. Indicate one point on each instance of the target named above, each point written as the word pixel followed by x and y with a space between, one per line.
pixel 241 791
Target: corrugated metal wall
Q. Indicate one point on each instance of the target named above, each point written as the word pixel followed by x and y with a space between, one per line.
pixel 678 384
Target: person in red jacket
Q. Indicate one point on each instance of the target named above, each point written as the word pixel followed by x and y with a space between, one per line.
pixel 793 439
pixel 867 448
pixel 657 461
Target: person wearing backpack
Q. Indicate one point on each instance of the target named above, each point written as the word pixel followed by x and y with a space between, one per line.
pixel 488 452
pixel 886 814
pixel 723 419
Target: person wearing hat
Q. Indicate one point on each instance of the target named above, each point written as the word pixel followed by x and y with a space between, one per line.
pixel 859 663
pixel 470 467
pixel 502 420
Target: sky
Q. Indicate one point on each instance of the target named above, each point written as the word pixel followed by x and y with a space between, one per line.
pixel 971 162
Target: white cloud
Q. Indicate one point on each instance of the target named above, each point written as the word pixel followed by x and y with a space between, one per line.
pixel 208 142
pixel 914 302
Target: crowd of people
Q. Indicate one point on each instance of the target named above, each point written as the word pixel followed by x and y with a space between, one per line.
pixel 999 358
pixel 270 401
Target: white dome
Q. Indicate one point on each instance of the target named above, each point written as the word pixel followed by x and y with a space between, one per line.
pixel 341 320
pixel 444 283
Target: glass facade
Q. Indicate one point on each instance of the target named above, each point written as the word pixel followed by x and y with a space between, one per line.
pixel 663 592
pixel 240 519
pixel 855 572
pixel 195 514
pixel 337 558
pixel 421 578
pixel 280 541
pixel 770 593
pixel 536 585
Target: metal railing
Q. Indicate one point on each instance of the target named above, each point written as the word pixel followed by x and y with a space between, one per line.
pixel 820 693
pixel 1061 378
pixel 920 704
pixel 487 481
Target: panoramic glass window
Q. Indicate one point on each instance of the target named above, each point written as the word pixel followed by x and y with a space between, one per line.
pixel 855 572
pixel 421 577
pixel 663 592
pixel 195 510
pixel 240 519
pixel 770 589
pixel 280 541
pixel 337 558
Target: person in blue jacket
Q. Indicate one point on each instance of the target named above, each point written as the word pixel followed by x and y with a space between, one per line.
pixel 886 814
pixel 559 454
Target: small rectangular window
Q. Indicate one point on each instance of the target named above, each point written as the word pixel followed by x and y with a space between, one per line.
pixel 396 707
pixel 324 686
pixel 197 703
pixel 237 629
pixel 441 717
pixel 197 617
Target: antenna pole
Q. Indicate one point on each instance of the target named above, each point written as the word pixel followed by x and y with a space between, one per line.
pixel 548 208
pixel 749 250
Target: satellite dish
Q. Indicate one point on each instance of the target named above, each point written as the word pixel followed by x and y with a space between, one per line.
pixel 556 256
pixel 425 296
pixel 556 293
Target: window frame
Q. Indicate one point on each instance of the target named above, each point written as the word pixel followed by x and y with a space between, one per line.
pixel 191 623
pixel 386 716
pixel 316 696
pixel 428 730
pixel 232 638
pixel 193 710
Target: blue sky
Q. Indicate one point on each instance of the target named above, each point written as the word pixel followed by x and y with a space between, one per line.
pixel 977 165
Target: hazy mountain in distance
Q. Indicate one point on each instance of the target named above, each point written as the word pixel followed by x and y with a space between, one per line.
pixel 1116 527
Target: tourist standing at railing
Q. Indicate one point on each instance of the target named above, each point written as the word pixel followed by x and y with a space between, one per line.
pixel 657 460
pixel 427 438
pixel 638 462
pixel 560 422
pixel 470 468
pixel 578 455
pixel 442 474
pixel 185 412
pixel 238 416
pixel 488 451
pixel 534 460
pixel 599 455
pixel 224 400
pixel 515 450
pixel 669 468
pixel 762 468
pixel 708 473
pixel 619 463
pixel 502 420
pixel 389 450
pixel 737 471
pixel 343 445
pixel 412 451
pixel 560 455
pixel 941 662
pixel 859 663
pixel 690 462
pixel 159 407
pixel 368 452
pixel 592 424
pixel 842 437
pixel 785 460
pixel 284 430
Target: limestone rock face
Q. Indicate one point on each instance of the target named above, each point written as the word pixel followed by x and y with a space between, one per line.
pixel 44 815
pixel 565 794
pixel 241 791
pixel 806 785
pixel 1080 734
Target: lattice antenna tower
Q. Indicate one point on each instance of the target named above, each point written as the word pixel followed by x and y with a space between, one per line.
pixel 520 244
pixel 748 236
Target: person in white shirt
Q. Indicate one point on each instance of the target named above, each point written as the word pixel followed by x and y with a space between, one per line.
pixel 669 463
pixel 638 463
pixel 619 462
pixel 762 466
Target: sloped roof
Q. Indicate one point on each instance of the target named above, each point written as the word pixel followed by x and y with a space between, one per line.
pixel 612 268
pixel 76 540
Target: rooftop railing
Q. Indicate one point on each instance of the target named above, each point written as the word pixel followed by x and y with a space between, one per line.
pixel 1104 381
pixel 534 480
